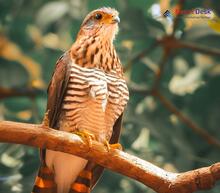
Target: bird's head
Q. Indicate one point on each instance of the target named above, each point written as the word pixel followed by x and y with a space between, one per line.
pixel 101 22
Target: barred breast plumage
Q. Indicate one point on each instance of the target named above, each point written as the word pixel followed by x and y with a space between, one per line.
pixel 93 101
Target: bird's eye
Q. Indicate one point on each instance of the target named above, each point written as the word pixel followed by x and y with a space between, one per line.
pixel 98 16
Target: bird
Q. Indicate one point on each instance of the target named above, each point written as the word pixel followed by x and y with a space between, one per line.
pixel 87 95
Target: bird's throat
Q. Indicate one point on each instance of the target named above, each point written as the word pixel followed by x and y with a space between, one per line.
pixel 95 52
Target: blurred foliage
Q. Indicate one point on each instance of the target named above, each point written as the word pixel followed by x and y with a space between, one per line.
pixel 33 34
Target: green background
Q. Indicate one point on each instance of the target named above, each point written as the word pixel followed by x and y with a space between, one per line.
pixel 33 34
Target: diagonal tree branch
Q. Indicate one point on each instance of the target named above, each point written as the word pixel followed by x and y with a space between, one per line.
pixel 181 116
pixel 152 176
pixel 198 48
pixel 199 130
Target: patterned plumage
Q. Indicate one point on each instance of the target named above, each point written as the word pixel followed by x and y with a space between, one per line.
pixel 87 94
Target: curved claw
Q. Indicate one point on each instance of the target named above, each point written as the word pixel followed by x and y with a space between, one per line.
pixel 88 137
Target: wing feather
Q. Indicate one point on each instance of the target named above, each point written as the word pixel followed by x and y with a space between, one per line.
pixel 57 88
pixel 56 91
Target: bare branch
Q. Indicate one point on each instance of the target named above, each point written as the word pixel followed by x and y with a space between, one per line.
pixel 15 92
pixel 199 48
pixel 152 176
pixel 173 43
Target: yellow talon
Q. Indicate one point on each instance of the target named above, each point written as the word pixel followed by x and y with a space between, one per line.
pixel 116 146
pixel 88 137
pixel 112 146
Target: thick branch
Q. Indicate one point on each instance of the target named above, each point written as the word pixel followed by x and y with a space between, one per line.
pixel 152 176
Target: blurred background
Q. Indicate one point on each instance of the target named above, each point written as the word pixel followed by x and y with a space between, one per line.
pixel 172 67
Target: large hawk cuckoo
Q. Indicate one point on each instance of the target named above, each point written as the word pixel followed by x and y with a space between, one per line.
pixel 87 95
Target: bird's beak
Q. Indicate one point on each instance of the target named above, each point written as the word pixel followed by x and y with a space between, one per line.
pixel 116 19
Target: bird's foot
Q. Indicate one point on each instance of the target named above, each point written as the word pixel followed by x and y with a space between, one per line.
pixel 112 146
pixel 87 136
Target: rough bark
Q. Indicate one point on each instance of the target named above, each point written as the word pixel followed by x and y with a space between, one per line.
pixel 152 176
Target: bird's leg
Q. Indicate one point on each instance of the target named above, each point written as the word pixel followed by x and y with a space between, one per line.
pixel 87 136
pixel 112 146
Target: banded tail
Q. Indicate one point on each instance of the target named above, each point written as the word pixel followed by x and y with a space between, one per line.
pixel 44 182
pixel 82 183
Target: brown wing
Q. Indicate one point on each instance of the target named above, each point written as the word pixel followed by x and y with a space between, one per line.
pixel 57 88
pixel 56 91
pixel 97 169
pixel 44 182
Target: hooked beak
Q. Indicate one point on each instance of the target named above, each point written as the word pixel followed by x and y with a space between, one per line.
pixel 116 19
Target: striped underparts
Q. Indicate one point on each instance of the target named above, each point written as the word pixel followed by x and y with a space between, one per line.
pixel 93 101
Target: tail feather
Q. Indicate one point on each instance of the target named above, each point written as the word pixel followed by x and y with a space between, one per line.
pixel 44 182
pixel 83 182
